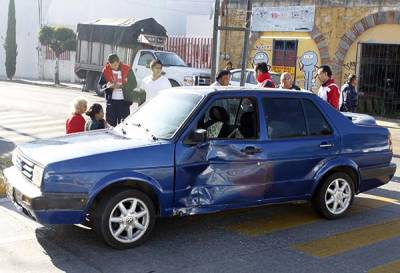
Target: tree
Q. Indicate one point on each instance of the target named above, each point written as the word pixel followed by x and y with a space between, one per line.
pixel 60 40
pixel 10 44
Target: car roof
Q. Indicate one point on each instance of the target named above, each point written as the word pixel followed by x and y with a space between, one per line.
pixel 210 90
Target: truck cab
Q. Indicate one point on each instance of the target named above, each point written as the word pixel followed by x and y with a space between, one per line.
pixel 175 69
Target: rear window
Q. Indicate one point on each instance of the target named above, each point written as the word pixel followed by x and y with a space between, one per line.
pixel 285 118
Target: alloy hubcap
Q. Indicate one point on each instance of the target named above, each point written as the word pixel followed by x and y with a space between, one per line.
pixel 338 196
pixel 129 220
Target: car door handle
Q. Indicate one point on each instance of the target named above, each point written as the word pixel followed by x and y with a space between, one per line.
pixel 251 150
pixel 326 145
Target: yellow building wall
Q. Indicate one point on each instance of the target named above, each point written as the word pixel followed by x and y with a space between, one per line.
pixel 334 22
pixel 383 34
pixel 305 43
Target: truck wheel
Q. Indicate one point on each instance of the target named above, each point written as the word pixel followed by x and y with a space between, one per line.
pixel 335 196
pixel 125 218
pixel 96 86
pixel 173 83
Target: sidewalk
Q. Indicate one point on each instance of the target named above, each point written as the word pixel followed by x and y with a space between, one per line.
pixel 75 86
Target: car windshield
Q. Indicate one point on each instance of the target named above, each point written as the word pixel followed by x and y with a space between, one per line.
pixel 170 59
pixel 162 116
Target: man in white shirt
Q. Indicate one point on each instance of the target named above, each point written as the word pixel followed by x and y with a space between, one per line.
pixel 156 82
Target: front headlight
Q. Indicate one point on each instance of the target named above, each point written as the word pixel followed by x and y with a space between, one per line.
pixel 37 175
pixel 188 80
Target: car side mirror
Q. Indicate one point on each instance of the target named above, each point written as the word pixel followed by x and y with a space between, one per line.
pixel 189 64
pixel 197 137
pixel 147 65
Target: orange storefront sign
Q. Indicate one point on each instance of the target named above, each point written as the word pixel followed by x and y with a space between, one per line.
pixel 282 69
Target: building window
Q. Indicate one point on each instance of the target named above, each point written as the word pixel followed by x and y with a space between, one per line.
pixel 284 53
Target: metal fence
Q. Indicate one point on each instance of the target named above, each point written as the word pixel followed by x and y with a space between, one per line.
pixel 194 51
pixel 379 83
pixel 50 55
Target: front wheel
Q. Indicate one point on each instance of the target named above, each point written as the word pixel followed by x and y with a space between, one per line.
pixel 335 196
pixel 125 218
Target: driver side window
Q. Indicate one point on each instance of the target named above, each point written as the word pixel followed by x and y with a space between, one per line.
pixel 233 118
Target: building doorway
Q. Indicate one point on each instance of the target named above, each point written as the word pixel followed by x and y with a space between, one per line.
pixel 379 79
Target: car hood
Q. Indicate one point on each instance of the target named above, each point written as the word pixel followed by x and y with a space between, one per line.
pixel 72 146
pixel 187 71
pixel 360 119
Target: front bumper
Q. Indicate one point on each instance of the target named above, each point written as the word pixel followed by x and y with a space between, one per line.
pixel 45 208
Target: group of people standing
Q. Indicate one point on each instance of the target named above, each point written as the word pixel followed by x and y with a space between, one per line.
pixel 118 82
pixel 345 99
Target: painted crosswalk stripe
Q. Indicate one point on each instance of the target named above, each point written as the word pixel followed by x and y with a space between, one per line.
pixel 23 120
pixel 392 267
pixel 33 132
pixel 299 216
pixel 353 239
pixel 11 114
pixel 32 125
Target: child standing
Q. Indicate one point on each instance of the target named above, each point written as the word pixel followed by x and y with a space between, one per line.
pixel 96 115
pixel 76 122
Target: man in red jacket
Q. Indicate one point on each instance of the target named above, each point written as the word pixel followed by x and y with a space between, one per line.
pixel 118 82
pixel 328 91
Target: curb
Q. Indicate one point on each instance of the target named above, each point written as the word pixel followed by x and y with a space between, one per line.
pixel 43 84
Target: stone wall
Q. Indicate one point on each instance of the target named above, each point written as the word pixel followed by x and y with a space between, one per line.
pixel 338 23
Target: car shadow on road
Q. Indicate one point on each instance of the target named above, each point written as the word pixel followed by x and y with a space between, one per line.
pixel 175 243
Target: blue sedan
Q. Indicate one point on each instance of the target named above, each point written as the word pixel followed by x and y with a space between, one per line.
pixel 201 150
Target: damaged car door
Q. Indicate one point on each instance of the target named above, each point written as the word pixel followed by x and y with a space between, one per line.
pixel 218 160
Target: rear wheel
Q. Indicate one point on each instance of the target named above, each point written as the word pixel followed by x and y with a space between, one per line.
pixel 335 196
pixel 125 218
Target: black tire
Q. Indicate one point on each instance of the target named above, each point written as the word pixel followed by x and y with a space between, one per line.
pixel 319 201
pixel 173 83
pixel 96 86
pixel 103 213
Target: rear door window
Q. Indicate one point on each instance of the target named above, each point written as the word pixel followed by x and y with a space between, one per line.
pixel 317 124
pixel 285 118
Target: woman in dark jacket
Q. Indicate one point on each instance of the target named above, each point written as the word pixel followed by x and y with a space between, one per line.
pixel 96 121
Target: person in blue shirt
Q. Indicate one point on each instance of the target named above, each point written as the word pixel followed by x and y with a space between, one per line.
pixel 349 95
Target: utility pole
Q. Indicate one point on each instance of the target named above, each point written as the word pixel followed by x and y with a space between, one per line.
pixel 218 28
pixel 39 47
pixel 246 42
pixel 214 56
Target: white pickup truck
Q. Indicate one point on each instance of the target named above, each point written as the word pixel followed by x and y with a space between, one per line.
pixel 136 42
pixel 175 69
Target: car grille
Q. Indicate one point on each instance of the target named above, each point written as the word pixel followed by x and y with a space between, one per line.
pixel 25 166
pixel 202 80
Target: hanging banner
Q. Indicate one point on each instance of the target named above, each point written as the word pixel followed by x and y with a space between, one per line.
pixel 290 18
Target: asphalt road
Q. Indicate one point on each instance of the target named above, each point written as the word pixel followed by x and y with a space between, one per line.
pixel 277 238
